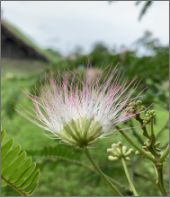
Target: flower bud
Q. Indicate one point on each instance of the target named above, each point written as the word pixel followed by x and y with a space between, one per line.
pixel 135 106
pixel 149 115
pixel 111 158
pixel 137 152
pixel 118 151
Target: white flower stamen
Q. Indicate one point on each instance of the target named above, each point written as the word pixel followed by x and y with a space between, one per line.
pixel 80 115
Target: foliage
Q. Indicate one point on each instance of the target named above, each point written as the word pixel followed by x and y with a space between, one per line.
pixel 18 170
pixel 60 151
pixel 61 167
pixel 146 6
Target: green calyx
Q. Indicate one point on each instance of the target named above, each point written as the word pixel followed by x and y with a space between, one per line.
pixel 81 132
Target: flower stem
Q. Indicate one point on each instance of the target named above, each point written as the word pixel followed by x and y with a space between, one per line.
pixel 128 177
pixel 160 183
pixel 164 154
pixel 113 187
pixel 144 153
pixel 143 126
pixel 54 158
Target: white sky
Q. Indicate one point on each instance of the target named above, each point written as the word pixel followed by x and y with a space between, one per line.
pixel 65 25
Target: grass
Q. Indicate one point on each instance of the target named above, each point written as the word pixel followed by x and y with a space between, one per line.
pixel 63 178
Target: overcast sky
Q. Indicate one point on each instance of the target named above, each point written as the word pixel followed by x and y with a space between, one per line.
pixel 65 25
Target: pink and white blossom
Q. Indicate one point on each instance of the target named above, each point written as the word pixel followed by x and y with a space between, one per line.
pixel 80 113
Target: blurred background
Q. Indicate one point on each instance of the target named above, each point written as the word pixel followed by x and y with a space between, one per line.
pixel 85 37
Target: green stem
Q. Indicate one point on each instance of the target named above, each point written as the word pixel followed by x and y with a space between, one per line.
pixel 128 177
pixel 75 162
pixel 143 127
pixel 13 187
pixel 152 141
pixel 134 132
pixel 152 132
pixel 144 153
pixel 160 183
pixel 85 166
pixel 94 170
pixel 97 168
pixel 143 176
pixel 164 154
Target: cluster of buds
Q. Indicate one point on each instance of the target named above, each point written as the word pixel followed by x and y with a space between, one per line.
pixel 135 106
pixel 118 151
pixel 150 114
pixel 156 146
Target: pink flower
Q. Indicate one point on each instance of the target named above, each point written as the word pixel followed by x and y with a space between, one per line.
pixel 81 113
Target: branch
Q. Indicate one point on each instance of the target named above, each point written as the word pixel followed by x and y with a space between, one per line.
pixel 144 153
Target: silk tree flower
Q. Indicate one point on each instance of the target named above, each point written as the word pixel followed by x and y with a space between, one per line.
pixel 81 113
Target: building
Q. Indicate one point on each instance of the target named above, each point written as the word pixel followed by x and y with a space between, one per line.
pixel 16 46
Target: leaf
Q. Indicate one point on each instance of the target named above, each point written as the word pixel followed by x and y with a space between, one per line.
pixel 147 4
pixel 18 170
pixel 59 151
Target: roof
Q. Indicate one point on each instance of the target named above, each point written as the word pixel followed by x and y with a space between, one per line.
pixel 21 38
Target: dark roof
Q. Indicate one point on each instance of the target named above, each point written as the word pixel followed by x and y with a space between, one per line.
pixel 10 32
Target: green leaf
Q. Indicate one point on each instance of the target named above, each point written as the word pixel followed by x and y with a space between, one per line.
pixel 59 151
pixel 6 148
pixel 18 170
pixel 147 4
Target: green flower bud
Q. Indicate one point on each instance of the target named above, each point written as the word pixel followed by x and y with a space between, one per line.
pixel 138 102
pixel 135 106
pixel 137 152
pixel 118 150
pixel 111 158
pixel 149 115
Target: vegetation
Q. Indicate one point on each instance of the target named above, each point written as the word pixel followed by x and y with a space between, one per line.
pixel 65 171
pixel 18 170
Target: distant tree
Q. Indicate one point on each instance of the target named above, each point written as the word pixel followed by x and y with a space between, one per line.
pixel 100 47
pixel 148 41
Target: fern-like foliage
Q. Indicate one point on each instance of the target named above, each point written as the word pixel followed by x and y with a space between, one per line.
pixel 18 170
pixel 59 151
